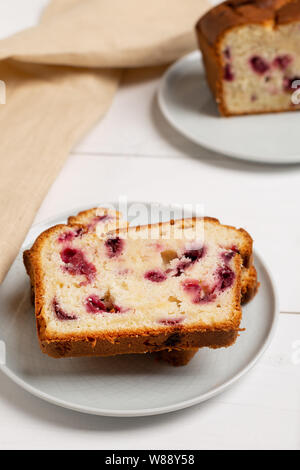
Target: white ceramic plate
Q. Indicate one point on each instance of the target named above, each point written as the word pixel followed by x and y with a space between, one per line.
pixel 128 385
pixel 187 103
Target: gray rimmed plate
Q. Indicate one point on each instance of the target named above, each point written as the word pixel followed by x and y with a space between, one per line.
pixel 128 385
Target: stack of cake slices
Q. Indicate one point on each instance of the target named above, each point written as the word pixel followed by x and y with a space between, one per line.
pixel 102 288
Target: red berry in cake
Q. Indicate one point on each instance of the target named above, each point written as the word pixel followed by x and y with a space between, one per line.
pixel 155 275
pixel 114 247
pixel 171 321
pixel 76 263
pixel 180 268
pixel 79 232
pixel 226 277
pixel 259 65
pixel 228 74
pixel 205 296
pixel 68 254
pixel 199 294
pixel 227 53
pixel 70 235
pixel 94 304
pixel 191 256
pixel 282 61
pixel 116 309
pixel 194 255
pixel 60 313
pixel 191 285
pixel 66 237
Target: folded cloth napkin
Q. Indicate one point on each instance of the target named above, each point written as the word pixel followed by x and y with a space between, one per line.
pixel 60 78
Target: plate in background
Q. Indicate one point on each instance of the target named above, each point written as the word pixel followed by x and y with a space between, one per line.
pixel 125 385
pixel 187 103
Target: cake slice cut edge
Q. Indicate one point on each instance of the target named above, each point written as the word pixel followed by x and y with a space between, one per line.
pixel 251 55
pixel 58 340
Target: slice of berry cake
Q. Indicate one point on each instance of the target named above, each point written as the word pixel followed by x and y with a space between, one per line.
pixel 251 55
pixel 176 357
pixel 139 289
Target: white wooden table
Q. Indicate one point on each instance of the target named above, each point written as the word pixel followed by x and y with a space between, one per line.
pixel 134 152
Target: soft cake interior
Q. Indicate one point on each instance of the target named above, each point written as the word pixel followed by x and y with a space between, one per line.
pixel 260 65
pixel 127 281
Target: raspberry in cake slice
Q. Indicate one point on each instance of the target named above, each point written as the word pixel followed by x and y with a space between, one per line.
pixel 133 292
pixel 251 55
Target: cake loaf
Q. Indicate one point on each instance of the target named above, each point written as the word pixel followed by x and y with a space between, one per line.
pixel 126 292
pixel 251 55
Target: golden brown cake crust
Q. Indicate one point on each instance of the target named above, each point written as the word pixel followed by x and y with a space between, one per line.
pixel 137 344
pixel 231 14
pixel 141 341
pixel 250 285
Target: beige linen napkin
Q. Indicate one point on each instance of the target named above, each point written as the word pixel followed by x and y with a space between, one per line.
pixel 61 77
